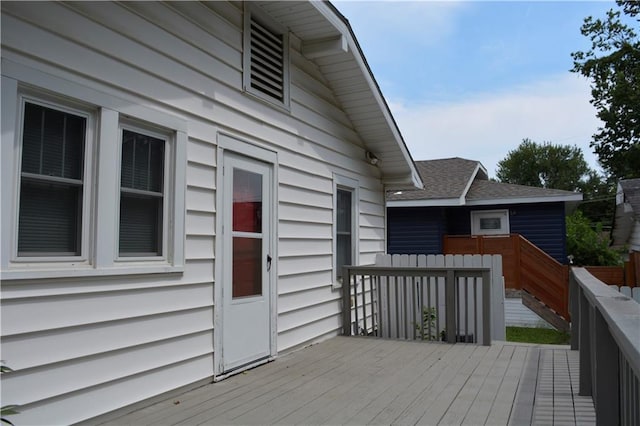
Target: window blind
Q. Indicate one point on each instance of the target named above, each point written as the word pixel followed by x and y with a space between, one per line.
pixel 51 187
pixel 141 195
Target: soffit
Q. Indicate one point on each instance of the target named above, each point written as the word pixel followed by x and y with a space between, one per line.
pixel 352 82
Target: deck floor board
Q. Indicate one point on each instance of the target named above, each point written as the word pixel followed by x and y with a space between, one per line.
pixel 357 381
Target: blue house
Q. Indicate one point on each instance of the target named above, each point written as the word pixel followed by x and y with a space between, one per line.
pixel 459 199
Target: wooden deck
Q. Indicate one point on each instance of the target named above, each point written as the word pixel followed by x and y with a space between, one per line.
pixel 356 380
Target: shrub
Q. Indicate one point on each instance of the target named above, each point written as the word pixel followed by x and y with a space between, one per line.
pixel 586 244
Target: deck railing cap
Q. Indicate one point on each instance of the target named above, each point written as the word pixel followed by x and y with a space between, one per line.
pixel 621 313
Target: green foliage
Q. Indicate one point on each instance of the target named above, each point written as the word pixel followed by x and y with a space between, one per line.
pixel 599 196
pixel 544 166
pixel 587 244
pixel 613 65
pixel 427 329
pixel 537 335
pixel 560 167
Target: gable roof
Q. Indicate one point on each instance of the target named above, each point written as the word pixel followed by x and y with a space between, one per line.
pixel 328 39
pixel 458 181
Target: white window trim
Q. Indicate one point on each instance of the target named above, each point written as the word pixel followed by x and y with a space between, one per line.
pixel 352 185
pixel 168 172
pixel 483 214
pixel 101 180
pixel 60 104
pixel 250 10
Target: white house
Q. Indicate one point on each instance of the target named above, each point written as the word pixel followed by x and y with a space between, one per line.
pixel 181 183
pixel 626 222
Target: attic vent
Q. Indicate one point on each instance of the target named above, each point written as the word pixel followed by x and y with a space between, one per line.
pixel 267 61
pixel 265 57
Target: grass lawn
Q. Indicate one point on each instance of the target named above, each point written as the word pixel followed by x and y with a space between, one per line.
pixel 537 335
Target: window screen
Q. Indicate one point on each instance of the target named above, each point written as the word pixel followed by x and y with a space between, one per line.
pixel 141 194
pixel 51 182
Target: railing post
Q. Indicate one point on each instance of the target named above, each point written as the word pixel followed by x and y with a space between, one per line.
pixel 486 308
pixel 607 376
pixel 346 301
pixel 574 305
pixel 450 306
pixel 584 344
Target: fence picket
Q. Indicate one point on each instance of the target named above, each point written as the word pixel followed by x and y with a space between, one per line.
pixel 414 305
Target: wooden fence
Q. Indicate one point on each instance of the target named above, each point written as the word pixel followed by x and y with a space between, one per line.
pixel 525 266
pixel 626 275
pixel 450 298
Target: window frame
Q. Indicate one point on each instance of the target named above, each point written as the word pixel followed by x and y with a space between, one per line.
pixel 101 179
pixel 167 176
pixel 344 183
pixel 58 103
pixel 270 24
pixel 478 215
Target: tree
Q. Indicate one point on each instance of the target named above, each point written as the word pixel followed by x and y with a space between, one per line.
pixel 560 167
pixel 613 65
pixel 544 166
pixel 598 203
pixel 587 244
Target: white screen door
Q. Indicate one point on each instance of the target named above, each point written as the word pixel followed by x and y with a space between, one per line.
pixel 246 257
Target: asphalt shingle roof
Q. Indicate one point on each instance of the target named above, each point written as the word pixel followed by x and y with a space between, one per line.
pixel 447 178
pixel 488 190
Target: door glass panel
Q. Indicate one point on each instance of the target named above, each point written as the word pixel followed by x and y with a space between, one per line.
pixel 247 201
pixel 247 271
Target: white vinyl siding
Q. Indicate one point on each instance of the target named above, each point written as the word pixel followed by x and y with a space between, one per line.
pixel 191 86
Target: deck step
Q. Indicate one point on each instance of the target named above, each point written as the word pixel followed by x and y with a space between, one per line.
pixel 545 312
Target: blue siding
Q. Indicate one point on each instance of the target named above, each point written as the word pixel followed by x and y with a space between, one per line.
pixel 419 230
pixel 458 221
pixel 544 225
pixel 415 230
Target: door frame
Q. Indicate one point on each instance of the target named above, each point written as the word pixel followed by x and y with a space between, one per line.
pixel 252 151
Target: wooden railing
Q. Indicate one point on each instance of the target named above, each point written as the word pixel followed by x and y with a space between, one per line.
pixel 605 330
pixel 526 266
pixel 544 277
pixel 420 302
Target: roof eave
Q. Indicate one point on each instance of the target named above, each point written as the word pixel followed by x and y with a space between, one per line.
pixel 439 202
pixel 577 197
pixel 411 177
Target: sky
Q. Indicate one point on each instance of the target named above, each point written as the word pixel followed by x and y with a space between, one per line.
pixel 472 79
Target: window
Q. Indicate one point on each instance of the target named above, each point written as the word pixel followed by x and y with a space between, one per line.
pixel 490 222
pixel 266 58
pixel 344 231
pixel 83 199
pixel 345 225
pixel 141 194
pixel 52 182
